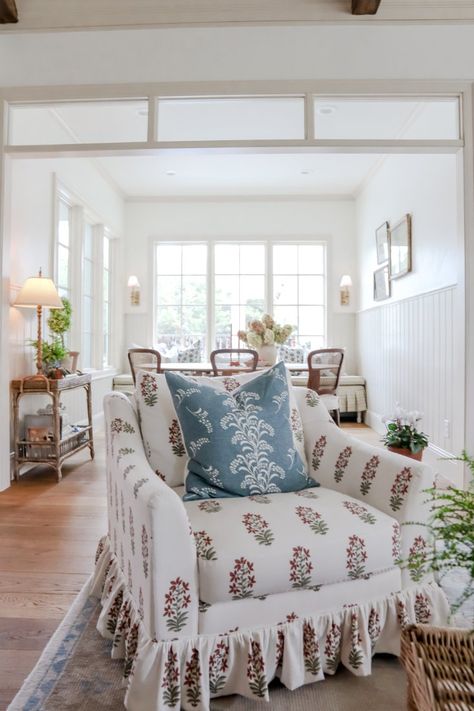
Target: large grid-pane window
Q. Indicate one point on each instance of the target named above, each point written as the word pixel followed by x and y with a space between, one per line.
pixel 106 314
pixel 299 291
pixel 88 331
pixel 206 293
pixel 239 289
pixel 181 300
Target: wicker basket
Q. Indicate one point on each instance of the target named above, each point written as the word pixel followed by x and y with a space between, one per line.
pixel 439 664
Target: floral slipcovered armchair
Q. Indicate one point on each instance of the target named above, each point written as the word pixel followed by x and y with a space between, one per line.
pixel 219 596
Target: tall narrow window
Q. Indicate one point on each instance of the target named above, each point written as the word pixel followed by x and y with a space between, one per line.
pixel 181 300
pixel 87 348
pixel 239 291
pixel 299 291
pixel 64 250
pixel 106 259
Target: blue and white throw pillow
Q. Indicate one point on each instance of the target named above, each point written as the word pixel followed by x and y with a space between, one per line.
pixel 238 443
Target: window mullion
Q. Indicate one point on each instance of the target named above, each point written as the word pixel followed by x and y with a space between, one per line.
pixel 269 277
pixel 210 301
pixel 75 274
pixel 98 295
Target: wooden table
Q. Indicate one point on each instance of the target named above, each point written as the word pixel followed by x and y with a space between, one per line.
pixel 58 449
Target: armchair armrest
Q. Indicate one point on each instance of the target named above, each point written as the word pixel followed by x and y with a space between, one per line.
pixel 149 530
pixel 389 482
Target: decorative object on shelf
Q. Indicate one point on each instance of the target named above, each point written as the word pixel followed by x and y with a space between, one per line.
pixel 402 435
pixel 400 248
pixel 382 288
pixel 134 287
pixel 382 235
pixel 262 335
pixel 38 292
pixel 345 285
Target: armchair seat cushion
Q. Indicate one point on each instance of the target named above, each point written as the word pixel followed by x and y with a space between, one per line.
pixel 265 544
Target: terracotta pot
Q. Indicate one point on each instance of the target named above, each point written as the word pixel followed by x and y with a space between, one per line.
pixel 407 453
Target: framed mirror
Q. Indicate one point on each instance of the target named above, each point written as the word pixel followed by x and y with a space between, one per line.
pixel 400 248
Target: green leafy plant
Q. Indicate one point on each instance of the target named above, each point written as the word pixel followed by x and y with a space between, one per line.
pixel 451 528
pixel 59 321
pixel 402 431
pixel 52 353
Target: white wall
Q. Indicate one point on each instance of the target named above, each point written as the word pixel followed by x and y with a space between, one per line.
pixel 222 53
pixel 32 230
pixel 410 347
pixel 425 186
pixel 243 219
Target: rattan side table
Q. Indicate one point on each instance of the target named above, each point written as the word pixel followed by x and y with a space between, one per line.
pixel 59 449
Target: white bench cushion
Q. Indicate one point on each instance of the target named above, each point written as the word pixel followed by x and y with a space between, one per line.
pixel 249 547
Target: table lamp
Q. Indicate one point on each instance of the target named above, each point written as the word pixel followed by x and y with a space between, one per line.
pixel 36 293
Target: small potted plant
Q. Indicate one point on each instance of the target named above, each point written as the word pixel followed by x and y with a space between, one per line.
pixel 59 324
pixel 402 435
pixel 53 355
pixel 262 334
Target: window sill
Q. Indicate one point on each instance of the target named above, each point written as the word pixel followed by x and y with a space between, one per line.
pixel 98 373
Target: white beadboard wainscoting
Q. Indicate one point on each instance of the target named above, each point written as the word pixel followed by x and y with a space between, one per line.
pixel 412 352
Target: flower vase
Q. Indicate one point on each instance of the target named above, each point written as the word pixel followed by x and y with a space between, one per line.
pixel 267 355
pixel 407 453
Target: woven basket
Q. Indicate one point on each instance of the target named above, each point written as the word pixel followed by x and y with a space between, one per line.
pixel 440 667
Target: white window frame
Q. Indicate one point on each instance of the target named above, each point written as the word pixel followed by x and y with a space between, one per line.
pixel 268 244
pixel 80 215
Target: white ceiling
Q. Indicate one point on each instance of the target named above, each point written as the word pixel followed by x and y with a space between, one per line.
pixel 80 14
pixel 195 173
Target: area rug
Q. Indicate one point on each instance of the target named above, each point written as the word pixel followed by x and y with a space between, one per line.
pixel 75 673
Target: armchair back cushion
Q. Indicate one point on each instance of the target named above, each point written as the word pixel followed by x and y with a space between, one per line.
pixel 238 443
pixel 160 429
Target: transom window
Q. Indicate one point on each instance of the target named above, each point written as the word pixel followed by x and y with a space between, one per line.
pixel 206 292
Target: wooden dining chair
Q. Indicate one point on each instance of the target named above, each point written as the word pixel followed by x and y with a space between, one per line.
pixel 224 361
pixel 139 357
pixel 324 372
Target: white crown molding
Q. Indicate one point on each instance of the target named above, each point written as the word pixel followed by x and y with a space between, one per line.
pixel 47 15
pixel 238 198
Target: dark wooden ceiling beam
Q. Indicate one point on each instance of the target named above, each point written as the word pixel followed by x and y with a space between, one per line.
pixel 8 12
pixel 365 7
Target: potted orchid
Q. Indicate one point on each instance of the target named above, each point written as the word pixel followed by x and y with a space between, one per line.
pixel 402 435
pixel 262 335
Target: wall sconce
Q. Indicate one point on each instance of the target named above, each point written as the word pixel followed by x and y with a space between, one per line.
pixel 134 286
pixel 345 284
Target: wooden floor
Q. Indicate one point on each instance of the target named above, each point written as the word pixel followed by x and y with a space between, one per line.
pixel 49 534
